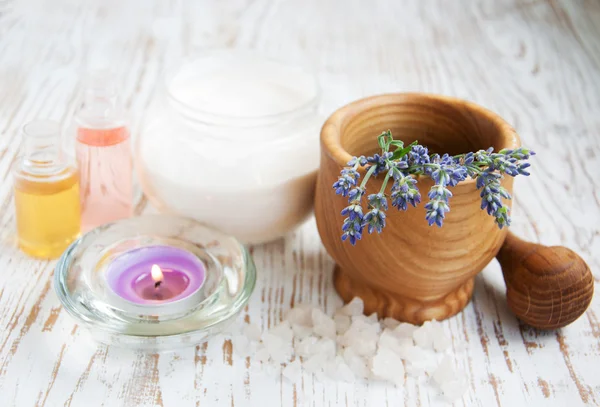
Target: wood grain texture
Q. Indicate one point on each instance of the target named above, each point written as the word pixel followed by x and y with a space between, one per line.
pixel 547 287
pixel 412 272
pixel 534 62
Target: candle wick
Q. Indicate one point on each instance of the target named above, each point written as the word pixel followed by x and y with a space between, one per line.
pixel 157 284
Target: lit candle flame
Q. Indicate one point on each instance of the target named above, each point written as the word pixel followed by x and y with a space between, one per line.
pixel 157 274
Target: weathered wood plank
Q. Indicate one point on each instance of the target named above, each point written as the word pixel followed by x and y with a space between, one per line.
pixel 537 63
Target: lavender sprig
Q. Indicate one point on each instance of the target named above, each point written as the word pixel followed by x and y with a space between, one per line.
pixel 402 164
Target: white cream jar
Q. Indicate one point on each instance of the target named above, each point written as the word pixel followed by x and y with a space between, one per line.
pixel 234 143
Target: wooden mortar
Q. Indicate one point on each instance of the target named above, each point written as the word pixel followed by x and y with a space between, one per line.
pixel 414 272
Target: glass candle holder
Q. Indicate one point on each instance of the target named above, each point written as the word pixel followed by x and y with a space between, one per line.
pixel 206 278
pixel 233 141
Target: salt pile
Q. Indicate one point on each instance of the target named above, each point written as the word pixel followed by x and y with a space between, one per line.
pixel 351 346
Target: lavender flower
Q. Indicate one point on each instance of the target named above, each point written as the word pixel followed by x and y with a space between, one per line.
pixel 436 211
pixel 418 155
pixel 357 161
pixel 468 159
pixel 353 223
pixel 380 162
pixel 439 192
pixel 401 164
pixel 449 172
pixel 349 176
pixel 404 192
pixel 377 201
pixel 438 204
pixel 502 218
pixel 375 218
pixel 520 153
pixel 352 226
pixel 521 168
pixel 491 197
pixel 404 163
pixel 347 180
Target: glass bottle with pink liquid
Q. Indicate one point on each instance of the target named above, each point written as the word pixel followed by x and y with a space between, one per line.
pixel 103 153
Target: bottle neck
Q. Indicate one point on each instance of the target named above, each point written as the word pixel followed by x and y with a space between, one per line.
pixel 41 149
pixel 45 151
pixel 100 104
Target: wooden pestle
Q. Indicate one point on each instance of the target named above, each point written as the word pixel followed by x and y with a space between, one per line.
pixel 546 287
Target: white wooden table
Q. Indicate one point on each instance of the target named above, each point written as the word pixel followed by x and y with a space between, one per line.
pixel 537 63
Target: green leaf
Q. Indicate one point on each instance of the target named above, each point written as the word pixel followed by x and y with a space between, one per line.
pixel 384 140
pixel 401 152
pixel 397 143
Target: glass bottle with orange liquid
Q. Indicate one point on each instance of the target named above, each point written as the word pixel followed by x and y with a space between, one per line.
pixel 46 190
pixel 103 153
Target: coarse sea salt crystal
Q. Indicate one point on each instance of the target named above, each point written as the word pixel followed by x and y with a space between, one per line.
pixel 373 318
pixel 283 330
pixel 426 366
pixel 314 363
pixel 338 369
pixel 445 371
pixel 330 369
pixel 325 347
pixel 390 323
pixel 323 325
pixel 320 376
pixel 261 355
pixel 415 354
pixel 301 331
pixel 363 345
pixel 405 330
pixel 452 383
pixel 304 347
pixel 415 370
pixel 388 340
pixel 441 342
pixel 242 345
pixel 455 389
pixel 388 366
pixel 271 340
pixel 342 323
pixel 404 342
pixel 252 331
pixel 280 355
pixel 363 326
pixel 270 369
pixel 362 337
pixel 423 336
pixel 345 373
pixel 352 346
pixel 362 318
pixel 353 308
pixel 357 364
pixel 292 371
pixel 279 347
pixel 300 315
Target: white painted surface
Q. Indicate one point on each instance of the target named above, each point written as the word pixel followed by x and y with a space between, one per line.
pixel 537 63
